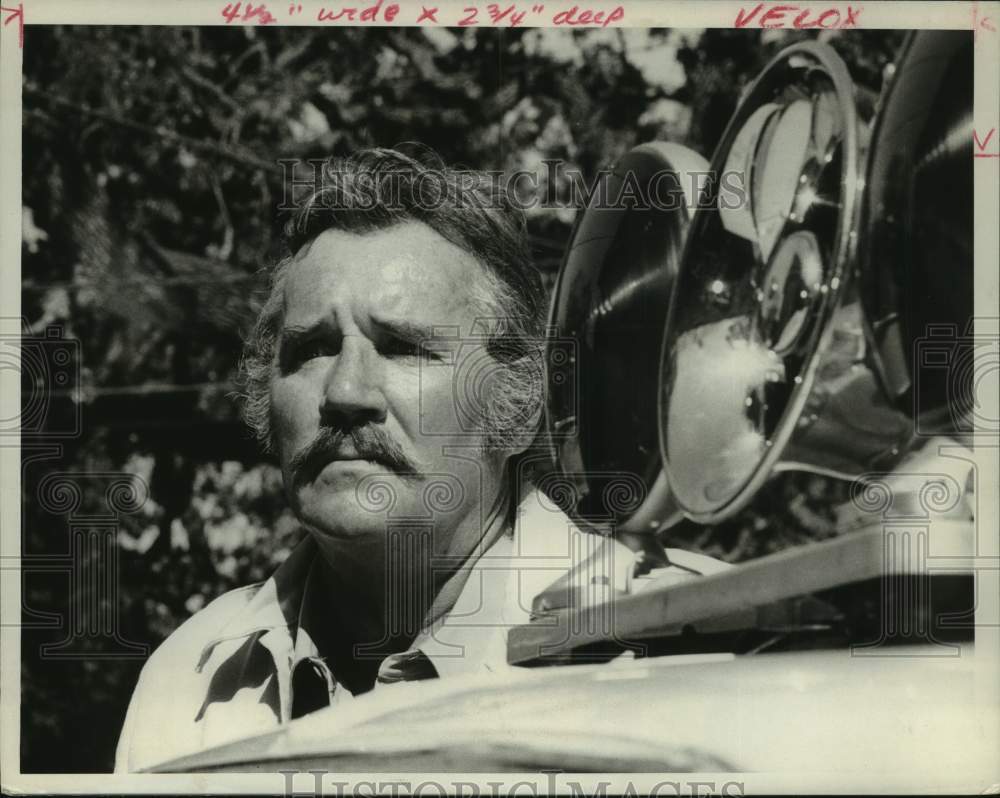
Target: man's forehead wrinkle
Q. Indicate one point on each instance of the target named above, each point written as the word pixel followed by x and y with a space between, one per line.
pixel 407 273
pixel 409 283
pixel 304 301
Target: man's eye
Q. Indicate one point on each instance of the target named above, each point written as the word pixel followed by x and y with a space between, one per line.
pixel 313 349
pixel 397 347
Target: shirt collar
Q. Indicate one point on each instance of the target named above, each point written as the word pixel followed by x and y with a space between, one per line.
pixel 277 602
pixel 471 636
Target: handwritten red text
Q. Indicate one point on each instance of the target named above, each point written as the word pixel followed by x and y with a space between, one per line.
pixel 387 12
pixel 429 14
pixel 982 144
pixel 237 12
pixel 369 13
pixel 981 23
pixel 768 15
pixel 497 14
pixel 15 13
pixel 575 16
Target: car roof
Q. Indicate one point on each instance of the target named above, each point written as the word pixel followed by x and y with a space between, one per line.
pixel 878 711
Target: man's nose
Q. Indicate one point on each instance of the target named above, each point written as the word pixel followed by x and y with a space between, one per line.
pixel 351 394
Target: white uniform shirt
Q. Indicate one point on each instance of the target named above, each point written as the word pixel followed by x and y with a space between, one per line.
pixel 227 672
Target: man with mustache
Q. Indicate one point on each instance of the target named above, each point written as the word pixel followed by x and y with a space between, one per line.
pixel 396 374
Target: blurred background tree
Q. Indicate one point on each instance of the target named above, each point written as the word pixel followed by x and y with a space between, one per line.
pixel 150 187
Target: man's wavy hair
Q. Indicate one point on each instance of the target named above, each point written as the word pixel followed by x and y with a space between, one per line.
pixel 377 189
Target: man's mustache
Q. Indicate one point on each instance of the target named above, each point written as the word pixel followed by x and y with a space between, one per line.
pixel 370 442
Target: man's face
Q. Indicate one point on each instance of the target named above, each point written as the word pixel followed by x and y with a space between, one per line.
pixel 356 385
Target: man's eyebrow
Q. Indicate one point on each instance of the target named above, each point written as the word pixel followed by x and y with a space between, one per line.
pixel 407 330
pixel 294 333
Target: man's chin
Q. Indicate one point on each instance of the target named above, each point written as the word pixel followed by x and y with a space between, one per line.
pixel 353 526
pixel 350 502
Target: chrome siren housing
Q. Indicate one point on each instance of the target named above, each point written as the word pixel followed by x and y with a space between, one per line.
pixel 786 343
pixel 916 261
pixel 611 299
